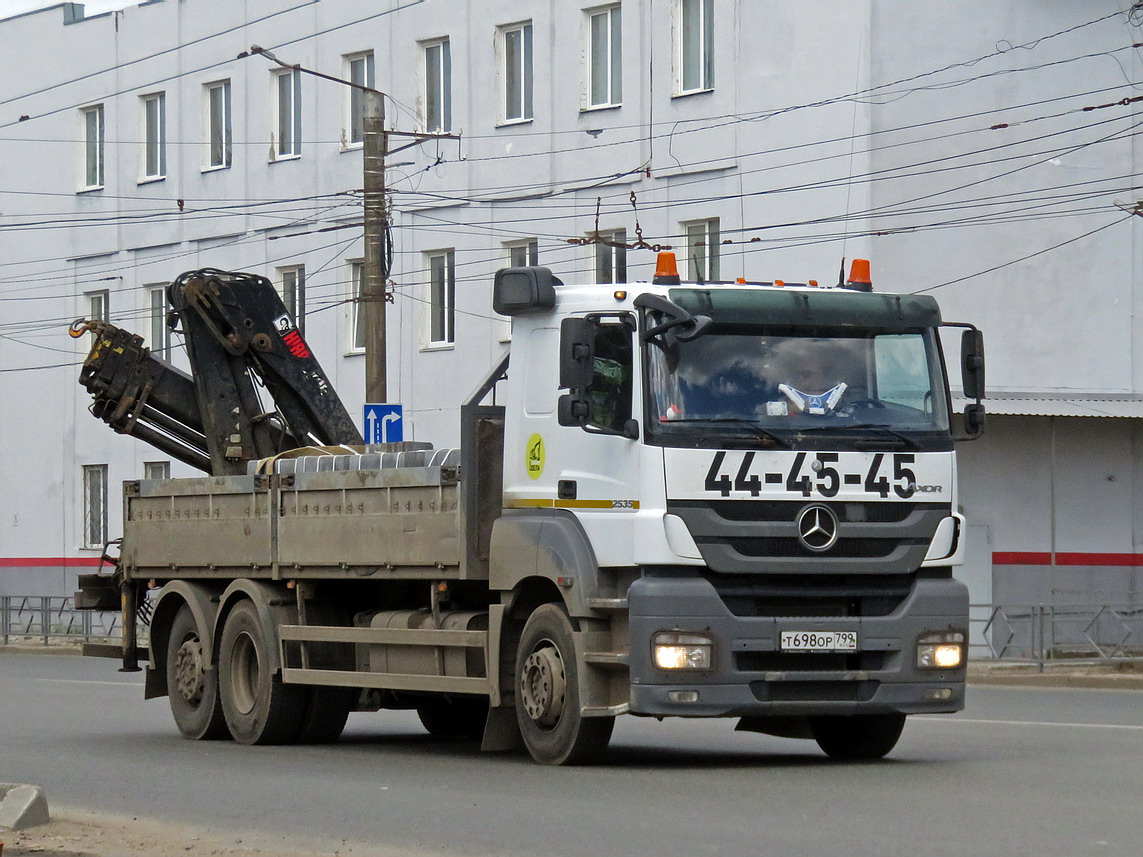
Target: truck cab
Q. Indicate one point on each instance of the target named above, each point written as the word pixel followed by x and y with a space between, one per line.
pixel 761 478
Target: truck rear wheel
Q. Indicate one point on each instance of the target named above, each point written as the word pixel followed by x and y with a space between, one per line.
pixel 547 694
pixel 191 687
pixel 858 737
pixel 258 707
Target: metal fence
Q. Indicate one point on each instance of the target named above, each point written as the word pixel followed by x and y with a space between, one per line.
pixel 44 618
pixel 1040 633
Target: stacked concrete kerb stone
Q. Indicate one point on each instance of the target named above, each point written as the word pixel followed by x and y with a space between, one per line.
pixel 22 806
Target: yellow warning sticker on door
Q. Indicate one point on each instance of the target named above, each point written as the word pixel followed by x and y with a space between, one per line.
pixel 534 456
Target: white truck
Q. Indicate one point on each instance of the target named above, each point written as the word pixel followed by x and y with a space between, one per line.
pixel 732 500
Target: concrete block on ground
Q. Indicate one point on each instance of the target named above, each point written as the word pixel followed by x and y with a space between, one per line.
pixel 22 806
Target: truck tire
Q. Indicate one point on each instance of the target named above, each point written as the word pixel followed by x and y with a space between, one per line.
pixel 258 707
pixel 327 710
pixel 547 694
pixel 858 737
pixel 191 688
pixel 455 717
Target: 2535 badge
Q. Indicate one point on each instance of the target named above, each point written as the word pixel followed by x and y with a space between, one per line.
pixel 886 474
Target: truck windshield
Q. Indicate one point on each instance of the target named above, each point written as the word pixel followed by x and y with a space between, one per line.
pixel 791 382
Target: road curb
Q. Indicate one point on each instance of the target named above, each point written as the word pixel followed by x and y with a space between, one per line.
pixel 22 806
pixel 1102 677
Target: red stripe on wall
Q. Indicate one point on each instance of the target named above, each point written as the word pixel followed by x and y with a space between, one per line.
pixel 48 561
pixel 1107 560
pixel 1113 559
pixel 1021 558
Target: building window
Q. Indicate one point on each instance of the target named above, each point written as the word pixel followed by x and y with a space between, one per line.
pixel 160 332
pixel 94 505
pixel 694 59
pixel 438 86
pixel 517 68
pixel 605 57
pixel 286 138
pixel 611 257
pixel 154 115
pixel 218 128
pixel 156 470
pixel 523 253
pixel 357 314
pixel 98 305
pixel 92 146
pixel 442 296
pixel 292 289
pixel 702 250
pixel 359 70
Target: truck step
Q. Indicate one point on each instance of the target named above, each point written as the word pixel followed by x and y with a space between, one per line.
pixel 607 604
pixel 607 659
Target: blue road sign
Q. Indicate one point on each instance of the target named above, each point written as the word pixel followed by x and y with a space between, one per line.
pixel 384 423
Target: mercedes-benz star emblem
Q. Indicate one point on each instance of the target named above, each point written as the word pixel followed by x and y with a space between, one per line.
pixel 817 528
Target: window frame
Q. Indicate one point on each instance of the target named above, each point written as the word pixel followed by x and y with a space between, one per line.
pixel 154 137
pixel 441 299
pixel 95 521
pixel 710 231
pixel 611 89
pixel 357 332
pixel 163 468
pixel 703 47
pixel 160 339
pixel 293 294
pixel 92 161
pixel 442 97
pixel 211 134
pixel 531 248
pixel 353 106
pixel 614 259
pixel 517 104
pixel 285 115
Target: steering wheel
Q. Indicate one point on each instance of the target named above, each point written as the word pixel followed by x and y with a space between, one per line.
pixel 852 407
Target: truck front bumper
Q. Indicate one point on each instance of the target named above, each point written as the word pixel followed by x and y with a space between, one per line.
pixel 751 676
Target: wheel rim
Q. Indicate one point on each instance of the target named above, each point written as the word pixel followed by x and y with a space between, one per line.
pixel 189 675
pixel 543 686
pixel 244 673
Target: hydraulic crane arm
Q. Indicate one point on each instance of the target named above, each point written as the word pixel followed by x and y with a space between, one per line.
pixel 237 331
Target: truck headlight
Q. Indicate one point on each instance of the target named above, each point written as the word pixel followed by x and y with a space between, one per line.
pixel 677 651
pixel 940 651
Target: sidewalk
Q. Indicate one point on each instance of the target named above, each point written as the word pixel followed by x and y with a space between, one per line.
pixel 1119 675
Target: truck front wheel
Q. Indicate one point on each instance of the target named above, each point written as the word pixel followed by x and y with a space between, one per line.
pixel 858 737
pixel 548 697
pixel 191 687
pixel 258 707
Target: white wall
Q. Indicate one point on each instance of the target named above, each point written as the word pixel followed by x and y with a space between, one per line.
pixel 1063 321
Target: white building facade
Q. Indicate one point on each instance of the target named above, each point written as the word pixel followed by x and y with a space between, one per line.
pixel 978 151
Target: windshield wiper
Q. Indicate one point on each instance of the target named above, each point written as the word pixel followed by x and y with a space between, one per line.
pixel 763 434
pixel 903 438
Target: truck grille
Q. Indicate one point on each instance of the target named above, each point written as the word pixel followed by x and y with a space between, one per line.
pixel 760 536
pixel 816 595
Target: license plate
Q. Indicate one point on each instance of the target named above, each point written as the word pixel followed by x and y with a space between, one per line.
pixel 819 641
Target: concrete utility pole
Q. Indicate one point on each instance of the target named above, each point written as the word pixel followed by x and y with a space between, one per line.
pixel 375 271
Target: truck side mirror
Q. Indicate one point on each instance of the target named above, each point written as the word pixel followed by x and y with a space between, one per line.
pixel 573 409
pixel 973 421
pixel 972 363
pixel 577 353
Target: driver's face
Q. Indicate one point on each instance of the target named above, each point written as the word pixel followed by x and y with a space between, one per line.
pixel 812 378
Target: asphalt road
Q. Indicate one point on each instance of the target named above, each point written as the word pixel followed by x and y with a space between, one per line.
pixel 1021 772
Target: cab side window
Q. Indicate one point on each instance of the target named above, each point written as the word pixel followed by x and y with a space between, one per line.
pixel 610 391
